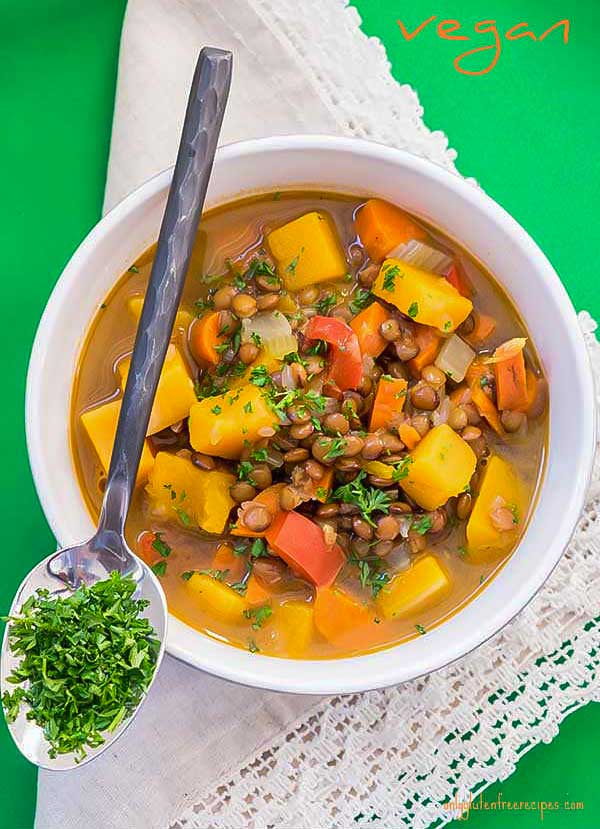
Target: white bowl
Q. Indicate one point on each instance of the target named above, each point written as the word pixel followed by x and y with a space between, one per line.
pixel 354 166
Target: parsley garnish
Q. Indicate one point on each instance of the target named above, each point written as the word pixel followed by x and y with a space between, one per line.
pixel 337 447
pixel 368 499
pixel 402 469
pixel 133 269
pixel 88 658
pixel 259 615
pixel 258 549
pixel 389 278
pixel 413 309
pixel 245 470
pixel 259 376
pixel 361 299
pixel 161 546
pixel 422 525
pixel 326 303
pixel 216 409
pixel 159 568
pixel 370 573
pixel 420 629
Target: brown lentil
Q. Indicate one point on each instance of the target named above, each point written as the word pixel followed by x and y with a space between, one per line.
pixel 512 421
pixel 470 433
pixel 387 528
pixel 327 510
pixel 424 397
pixel 222 298
pixel 242 491
pixel 354 446
pixel 464 505
pixel 314 470
pixel 203 461
pixel 389 329
pixel 299 431
pixel 257 518
pixel 289 498
pixel 457 418
pixel 434 376
pixel 266 302
pixel 243 305
pixel 373 447
pixel 421 423
pixel 296 455
pixel 336 423
pixel 248 353
pixel 362 528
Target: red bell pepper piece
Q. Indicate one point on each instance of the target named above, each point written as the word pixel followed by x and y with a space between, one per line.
pixel 458 280
pixel 345 367
pixel 301 544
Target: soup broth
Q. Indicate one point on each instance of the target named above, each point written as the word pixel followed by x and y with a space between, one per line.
pixel 348 433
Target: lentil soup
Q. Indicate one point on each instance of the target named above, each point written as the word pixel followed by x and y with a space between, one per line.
pixel 348 432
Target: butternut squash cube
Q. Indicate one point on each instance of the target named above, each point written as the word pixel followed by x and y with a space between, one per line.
pixel 223 425
pixel 216 598
pixel 197 498
pixel 419 588
pixel 294 624
pixel 424 297
pixel 307 250
pixel 344 620
pixel 442 465
pixel 101 427
pixel 500 487
pixel 174 395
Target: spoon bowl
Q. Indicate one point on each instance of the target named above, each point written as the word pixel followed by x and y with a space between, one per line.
pixel 27 735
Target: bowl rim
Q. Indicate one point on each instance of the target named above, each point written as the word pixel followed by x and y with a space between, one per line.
pixel 302 676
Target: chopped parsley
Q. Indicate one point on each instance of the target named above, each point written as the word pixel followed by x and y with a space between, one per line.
pixel 326 303
pixel 248 407
pixel 368 499
pixel 291 268
pixel 161 547
pixel 337 447
pixel 370 573
pixel 389 278
pixel 360 299
pixel 260 455
pixel 260 376
pixel 422 524
pixel 413 309
pixel 258 549
pixel 259 615
pixel 216 409
pixel 402 469
pixel 133 269
pixel 87 659
pixel 245 470
pixel 420 629
pixel 159 568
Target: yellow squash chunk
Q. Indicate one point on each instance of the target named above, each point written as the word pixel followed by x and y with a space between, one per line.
pixel 225 424
pixel 307 251
pixel 419 588
pixel 101 427
pixel 175 394
pixel 425 297
pixel 179 490
pixel 217 599
pixel 500 487
pixel 442 466
pixel 135 304
pixel 294 624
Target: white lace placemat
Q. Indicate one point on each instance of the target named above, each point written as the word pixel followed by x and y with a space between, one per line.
pixel 204 753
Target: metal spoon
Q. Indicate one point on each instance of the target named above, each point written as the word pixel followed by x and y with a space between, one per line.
pixel 87 563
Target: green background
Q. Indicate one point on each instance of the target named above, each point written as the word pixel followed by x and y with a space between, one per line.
pixel 527 131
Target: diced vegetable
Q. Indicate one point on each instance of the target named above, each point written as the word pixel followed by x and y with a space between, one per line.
pixel 537 395
pixel 100 425
pixel 382 227
pixel 483 329
pixel 268 498
pixel 442 466
pixel 421 587
pixel 343 620
pixel 454 358
pixel 408 435
pixel 322 487
pixel 424 297
pixel 300 543
pixel 307 250
pixel 174 395
pixel 458 280
pixel 205 338
pixel 422 256
pixel 295 627
pixel 484 405
pixel 511 381
pixel 225 561
pixel 272 332
pixel 507 350
pixel 388 403
pixel 223 425
pixel 178 490
pixel 501 490
pixel 345 360
pixel 216 598
pixel 255 592
pixel 366 327
pixel 429 341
